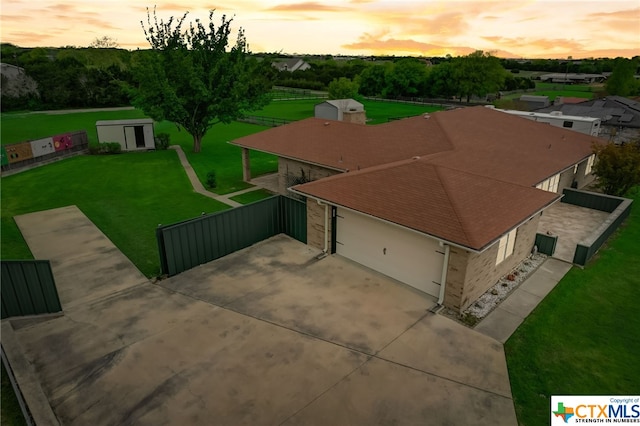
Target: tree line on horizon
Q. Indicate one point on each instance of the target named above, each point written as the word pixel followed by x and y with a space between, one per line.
pixel 78 77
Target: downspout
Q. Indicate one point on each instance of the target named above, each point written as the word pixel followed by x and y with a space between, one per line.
pixel 325 251
pixel 445 266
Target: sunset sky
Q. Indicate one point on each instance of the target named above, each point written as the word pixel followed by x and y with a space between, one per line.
pixel 513 28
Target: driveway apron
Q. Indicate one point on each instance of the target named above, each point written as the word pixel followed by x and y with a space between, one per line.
pixel 269 335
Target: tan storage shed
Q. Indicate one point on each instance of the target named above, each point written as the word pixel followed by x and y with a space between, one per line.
pixel 133 135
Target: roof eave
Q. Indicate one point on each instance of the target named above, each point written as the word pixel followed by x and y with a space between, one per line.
pixel 277 154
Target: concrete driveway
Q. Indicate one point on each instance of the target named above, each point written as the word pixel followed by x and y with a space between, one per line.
pixel 266 336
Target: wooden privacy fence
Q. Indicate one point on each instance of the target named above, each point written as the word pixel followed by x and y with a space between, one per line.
pixel 28 288
pixel 19 155
pixel 193 242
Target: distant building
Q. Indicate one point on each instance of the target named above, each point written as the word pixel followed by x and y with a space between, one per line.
pixel 291 65
pixel 347 110
pixel 535 102
pixel 572 78
pixel 620 116
pixel 587 125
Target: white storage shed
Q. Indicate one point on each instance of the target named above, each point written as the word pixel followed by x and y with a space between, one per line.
pixel 132 135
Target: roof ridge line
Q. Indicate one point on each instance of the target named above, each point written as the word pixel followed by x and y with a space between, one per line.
pixel 454 207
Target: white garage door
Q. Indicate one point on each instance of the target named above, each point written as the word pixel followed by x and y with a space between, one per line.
pixel 401 254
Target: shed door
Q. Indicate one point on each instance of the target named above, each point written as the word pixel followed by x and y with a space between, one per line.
pixel 401 254
pixel 134 136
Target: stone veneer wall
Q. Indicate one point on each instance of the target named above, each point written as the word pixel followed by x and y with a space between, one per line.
pixel 359 117
pixel 315 224
pixel 288 168
pixel 469 274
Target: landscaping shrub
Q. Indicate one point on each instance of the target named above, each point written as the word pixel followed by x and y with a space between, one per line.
pixel 162 141
pixel 211 179
pixel 105 148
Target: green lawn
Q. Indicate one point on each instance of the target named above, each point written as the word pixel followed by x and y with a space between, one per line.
pixel 125 195
pixel 10 414
pixel 217 154
pixel 19 127
pixel 584 338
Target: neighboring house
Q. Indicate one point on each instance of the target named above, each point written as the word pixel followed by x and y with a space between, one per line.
pixel 586 125
pixel 572 78
pixel 620 116
pixel 16 83
pixel 348 110
pixel 291 65
pixel 447 203
pixel 533 102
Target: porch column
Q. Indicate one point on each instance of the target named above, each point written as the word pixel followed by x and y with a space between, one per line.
pixel 246 165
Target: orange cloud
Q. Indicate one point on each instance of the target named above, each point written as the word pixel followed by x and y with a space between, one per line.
pixel 626 21
pixel 405 46
pixel 308 7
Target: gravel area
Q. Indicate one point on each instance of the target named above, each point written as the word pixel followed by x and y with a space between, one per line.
pixel 498 292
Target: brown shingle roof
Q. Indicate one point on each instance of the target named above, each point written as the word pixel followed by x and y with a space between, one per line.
pixel 474 179
pixel 479 140
pixel 349 146
pixel 469 210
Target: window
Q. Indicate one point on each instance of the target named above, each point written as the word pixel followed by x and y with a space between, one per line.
pixel 590 162
pixel 575 169
pixel 505 246
pixel 550 184
pixel 567 124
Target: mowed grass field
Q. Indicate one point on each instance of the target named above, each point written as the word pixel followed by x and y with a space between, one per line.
pixel 584 338
pixel 553 90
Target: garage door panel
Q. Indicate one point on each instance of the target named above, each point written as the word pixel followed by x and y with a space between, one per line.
pixel 398 253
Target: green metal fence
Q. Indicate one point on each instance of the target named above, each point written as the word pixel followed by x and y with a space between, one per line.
pixel 591 200
pixel 587 248
pixel 193 242
pixel 28 288
pixel 546 244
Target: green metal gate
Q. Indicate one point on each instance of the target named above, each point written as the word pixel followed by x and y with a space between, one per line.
pixel 28 288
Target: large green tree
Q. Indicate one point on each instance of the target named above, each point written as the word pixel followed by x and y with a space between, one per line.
pixel 407 77
pixel 478 74
pixel 622 81
pixel 192 78
pixel 617 167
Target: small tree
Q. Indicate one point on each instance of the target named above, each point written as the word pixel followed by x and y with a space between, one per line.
pixel 104 42
pixel 190 78
pixel 617 167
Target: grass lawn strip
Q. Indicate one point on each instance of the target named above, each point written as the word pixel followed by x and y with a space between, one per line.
pixel 584 338
pixel 250 197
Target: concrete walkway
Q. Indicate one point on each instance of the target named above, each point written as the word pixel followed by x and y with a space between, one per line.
pixel 266 336
pixel 200 189
pixel 507 317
